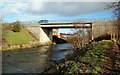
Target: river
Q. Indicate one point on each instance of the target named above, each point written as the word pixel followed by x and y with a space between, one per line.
pixel 34 60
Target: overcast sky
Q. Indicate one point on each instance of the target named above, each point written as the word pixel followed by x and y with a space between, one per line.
pixel 34 11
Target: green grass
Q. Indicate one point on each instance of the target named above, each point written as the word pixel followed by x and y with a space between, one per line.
pixel 21 37
pixel 94 58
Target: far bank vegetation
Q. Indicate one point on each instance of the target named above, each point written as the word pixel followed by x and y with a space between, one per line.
pixel 14 35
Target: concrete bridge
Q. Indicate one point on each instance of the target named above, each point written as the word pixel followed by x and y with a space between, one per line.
pixel 43 31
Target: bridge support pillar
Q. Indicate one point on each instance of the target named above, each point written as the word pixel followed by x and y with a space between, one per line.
pixel 45 36
pixel 48 32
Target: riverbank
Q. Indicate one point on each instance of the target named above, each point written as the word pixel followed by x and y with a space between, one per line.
pixel 97 57
pixel 30 44
pixel 18 40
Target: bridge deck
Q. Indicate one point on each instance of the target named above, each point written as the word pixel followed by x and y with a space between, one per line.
pixel 66 25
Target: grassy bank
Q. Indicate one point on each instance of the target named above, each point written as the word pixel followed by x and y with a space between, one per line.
pixel 98 57
pixel 14 38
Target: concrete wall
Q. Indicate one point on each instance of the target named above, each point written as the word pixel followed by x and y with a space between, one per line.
pixel 40 33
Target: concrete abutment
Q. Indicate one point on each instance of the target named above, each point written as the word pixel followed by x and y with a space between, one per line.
pixel 44 35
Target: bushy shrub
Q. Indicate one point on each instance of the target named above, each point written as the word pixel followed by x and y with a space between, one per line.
pixel 16 27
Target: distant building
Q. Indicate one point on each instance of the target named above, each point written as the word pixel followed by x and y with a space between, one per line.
pixel 56 33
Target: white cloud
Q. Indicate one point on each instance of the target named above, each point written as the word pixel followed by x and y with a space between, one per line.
pixel 66 8
pixel 34 9
pixel 58 8
pixel 35 6
pixel 14 8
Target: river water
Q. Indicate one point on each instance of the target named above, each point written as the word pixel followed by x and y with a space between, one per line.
pixel 34 60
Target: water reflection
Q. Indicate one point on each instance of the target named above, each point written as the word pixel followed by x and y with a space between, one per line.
pixel 59 51
pixel 33 60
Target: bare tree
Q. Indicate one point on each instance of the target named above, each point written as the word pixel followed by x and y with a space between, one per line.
pixel 79 37
pixel 116 10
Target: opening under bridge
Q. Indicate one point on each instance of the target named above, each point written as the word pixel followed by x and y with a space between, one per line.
pixel 43 31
